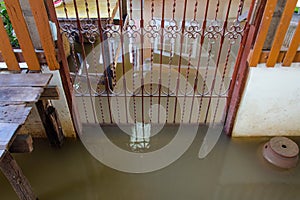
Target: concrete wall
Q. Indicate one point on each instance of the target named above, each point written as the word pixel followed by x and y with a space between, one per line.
pixel 271 103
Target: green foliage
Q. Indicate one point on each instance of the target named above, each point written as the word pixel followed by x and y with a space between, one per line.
pixel 8 26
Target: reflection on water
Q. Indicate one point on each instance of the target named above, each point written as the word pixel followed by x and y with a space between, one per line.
pixel 234 169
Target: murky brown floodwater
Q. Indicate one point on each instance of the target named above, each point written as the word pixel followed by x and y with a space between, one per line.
pixel 234 170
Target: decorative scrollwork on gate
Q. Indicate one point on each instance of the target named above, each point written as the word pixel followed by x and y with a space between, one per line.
pixel 213 31
pixel 90 32
pixel 193 30
pixel 234 31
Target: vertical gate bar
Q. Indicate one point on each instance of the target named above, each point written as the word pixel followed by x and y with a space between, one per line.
pixel 241 68
pixel 204 81
pixel 262 33
pixel 281 31
pixel 108 8
pixel 169 81
pixel 98 91
pixel 142 62
pixel 187 81
pixel 84 59
pixel 218 59
pixel 65 8
pixel 222 82
pixel 133 86
pixel 162 25
pixel 180 57
pixel 87 9
pixel 116 95
pixel 170 64
pixel 104 59
pixel 217 10
pixel 123 64
pixel 151 37
pixel 290 54
pixel 199 57
pixel 7 50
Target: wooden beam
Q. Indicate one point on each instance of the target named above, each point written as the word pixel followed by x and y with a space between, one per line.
pixel 262 33
pixel 292 51
pixel 51 123
pixel 25 80
pixel 20 27
pixel 65 71
pixel 6 50
pixel 280 58
pixel 42 22
pixel 281 31
pixel 15 176
pixel 22 144
pixel 39 53
pixel 50 92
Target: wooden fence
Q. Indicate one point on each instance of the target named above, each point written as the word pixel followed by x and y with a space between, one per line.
pixel 33 58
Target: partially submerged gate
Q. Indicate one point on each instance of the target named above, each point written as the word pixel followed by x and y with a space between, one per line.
pixel 152 61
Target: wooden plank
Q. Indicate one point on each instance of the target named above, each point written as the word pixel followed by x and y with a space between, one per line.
pixel 281 31
pixel 262 33
pixel 39 53
pixel 25 80
pixel 22 144
pixel 282 54
pixel 295 43
pixel 6 49
pixel 7 132
pixel 14 113
pixel 16 178
pixel 50 92
pixel 42 22
pixel 20 27
pixel 20 94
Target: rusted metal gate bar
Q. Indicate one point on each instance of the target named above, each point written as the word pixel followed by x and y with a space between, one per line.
pixel 157 46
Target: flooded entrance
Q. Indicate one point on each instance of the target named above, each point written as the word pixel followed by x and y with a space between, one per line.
pixel 235 170
pixel 153 62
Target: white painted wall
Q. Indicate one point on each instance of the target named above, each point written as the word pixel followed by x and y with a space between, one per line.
pixel 271 103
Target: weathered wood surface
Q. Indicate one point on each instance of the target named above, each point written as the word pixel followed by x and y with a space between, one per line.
pixel 7 133
pixel 14 113
pixel 50 92
pixel 14 174
pixel 42 22
pixel 22 144
pixel 21 80
pixel 20 94
pixel 51 123
pixel 20 27
pixel 7 50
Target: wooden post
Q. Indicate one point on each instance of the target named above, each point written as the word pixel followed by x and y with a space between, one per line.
pixel 15 176
pixel 51 123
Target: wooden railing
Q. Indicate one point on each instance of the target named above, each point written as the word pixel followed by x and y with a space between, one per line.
pixel 276 54
pixel 33 58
